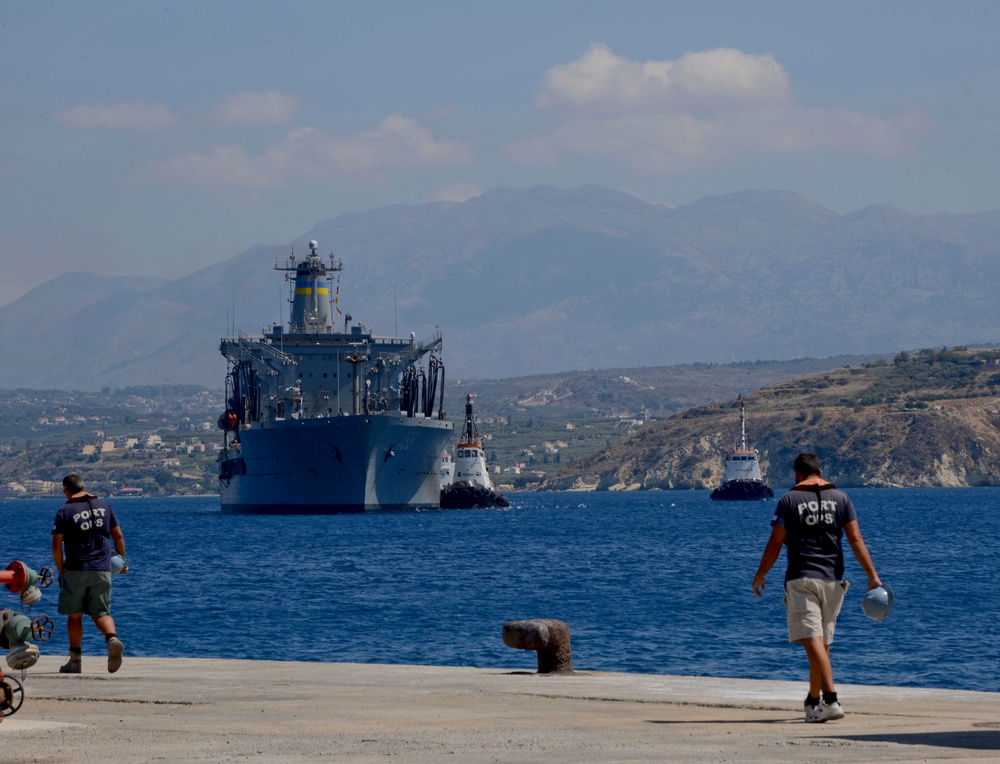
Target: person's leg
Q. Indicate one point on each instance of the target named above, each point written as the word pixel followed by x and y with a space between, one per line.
pixel 74 630
pixel 821 681
pixel 72 604
pixel 99 607
pixel 105 624
pixel 820 668
pixel 812 606
pixel 803 609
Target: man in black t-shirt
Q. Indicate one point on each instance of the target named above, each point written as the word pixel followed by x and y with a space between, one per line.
pixel 811 520
pixel 85 527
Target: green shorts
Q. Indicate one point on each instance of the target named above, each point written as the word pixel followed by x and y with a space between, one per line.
pixel 85 591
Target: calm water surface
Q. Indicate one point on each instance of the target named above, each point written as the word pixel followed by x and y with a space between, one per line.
pixel 652 582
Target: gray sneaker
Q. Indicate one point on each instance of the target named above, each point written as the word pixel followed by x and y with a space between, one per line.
pixel 811 712
pixel 115 648
pixel 72 666
pixel 826 713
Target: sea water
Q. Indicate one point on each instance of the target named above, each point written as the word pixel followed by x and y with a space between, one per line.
pixel 649 582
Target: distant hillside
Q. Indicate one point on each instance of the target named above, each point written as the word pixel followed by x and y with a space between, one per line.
pixel 643 393
pixel 931 419
pixel 544 280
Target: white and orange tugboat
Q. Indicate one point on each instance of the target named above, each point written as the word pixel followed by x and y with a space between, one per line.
pixel 471 485
pixel 742 480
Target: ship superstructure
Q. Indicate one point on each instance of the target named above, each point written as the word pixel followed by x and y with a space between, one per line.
pixel 742 480
pixel 320 420
pixel 447 470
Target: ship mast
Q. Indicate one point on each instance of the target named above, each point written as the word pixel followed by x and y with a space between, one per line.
pixel 312 297
pixel 743 426
pixel 471 435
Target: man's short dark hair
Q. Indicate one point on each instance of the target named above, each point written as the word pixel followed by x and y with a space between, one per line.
pixel 807 464
pixel 74 483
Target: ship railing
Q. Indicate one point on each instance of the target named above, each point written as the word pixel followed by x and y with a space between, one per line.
pixel 412 353
pixel 434 342
pixel 292 263
pixel 420 348
pixel 242 348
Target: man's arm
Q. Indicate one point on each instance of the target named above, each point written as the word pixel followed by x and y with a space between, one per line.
pixel 57 552
pixel 119 541
pixel 770 556
pixel 861 553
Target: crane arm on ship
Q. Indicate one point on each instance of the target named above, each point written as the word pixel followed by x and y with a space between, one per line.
pixel 418 350
pixel 265 359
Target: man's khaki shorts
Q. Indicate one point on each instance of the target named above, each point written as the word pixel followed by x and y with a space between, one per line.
pixel 812 605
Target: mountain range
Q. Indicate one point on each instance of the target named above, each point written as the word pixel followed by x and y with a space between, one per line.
pixel 543 279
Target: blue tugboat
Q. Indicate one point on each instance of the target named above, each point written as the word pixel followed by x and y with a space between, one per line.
pixel 742 480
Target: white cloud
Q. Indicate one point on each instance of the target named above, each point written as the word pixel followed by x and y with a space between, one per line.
pixel 704 109
pixel 145 117
pixel 268 107
pixel 601 81
pixel 456 192
pixel 397 143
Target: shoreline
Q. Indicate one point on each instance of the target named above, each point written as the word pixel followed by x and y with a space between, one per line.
pixel 581 491
pixel 176 709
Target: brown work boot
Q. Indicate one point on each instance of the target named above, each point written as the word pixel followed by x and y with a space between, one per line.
pixel 73 666
pixel 115 648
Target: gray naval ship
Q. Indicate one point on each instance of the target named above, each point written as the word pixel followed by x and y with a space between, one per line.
pixel 321 421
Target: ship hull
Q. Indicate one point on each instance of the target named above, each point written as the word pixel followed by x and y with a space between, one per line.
pixel 470 496
pixel 336 465
pixel 742 490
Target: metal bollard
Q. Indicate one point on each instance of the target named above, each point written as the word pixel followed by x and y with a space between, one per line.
pixel 548 637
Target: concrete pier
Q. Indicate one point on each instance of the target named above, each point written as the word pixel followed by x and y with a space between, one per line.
pixel 179 710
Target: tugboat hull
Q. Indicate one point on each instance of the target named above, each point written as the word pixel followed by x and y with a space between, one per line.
pixel 742 490
pixel 466 496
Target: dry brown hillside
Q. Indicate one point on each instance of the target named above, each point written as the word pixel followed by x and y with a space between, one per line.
pixel 932 419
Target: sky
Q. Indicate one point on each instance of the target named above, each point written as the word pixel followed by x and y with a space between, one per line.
pixel 142 138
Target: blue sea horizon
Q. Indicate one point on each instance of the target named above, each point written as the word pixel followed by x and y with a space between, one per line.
pixel 649 582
